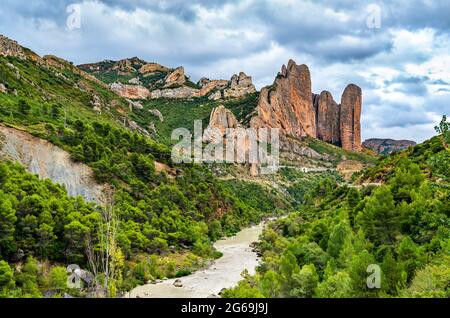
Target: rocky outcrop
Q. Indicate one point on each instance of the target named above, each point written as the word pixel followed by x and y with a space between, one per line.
pixel 9 47
pixel 130 91
pixel 156 113
pixel 179 92
pixel 387 146
pixel 290 106
pixel 350 118
pixel 208 86
pixel 176 77
pixel 288 103
pixel 50 162
pixel 327 118
pixel 152 68
pixel 240 85
pixel 220 120
pixel 52 61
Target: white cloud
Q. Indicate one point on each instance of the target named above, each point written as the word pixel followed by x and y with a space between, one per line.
pixel 218 38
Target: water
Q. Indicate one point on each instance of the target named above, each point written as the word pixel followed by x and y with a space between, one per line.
pixel 225 272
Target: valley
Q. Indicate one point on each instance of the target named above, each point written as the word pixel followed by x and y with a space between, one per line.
pixel 87 177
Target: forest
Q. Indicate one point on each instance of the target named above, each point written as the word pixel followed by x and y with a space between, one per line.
pixel 403 227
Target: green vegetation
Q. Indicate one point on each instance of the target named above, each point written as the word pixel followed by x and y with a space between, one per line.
pixel 403 226
pixel 183 113
pixel 160 214
pixel 336 154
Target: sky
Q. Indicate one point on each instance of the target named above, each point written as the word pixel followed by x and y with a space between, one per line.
pixel 398 52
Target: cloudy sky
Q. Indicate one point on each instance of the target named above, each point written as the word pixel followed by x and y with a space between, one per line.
pixel 398 53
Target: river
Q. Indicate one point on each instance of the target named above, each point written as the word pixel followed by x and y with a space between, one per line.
pixel 224 272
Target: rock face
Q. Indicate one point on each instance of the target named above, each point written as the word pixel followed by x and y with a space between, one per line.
pixel 221 118
pixel 48 161
pixel 240 85
pixel 10 48
pixel 350 118
pixel 130 91
pixel 387 146
pixel 177 77
pixel 327 118
pixel 288 104
pixel 152 68
pixel 179 92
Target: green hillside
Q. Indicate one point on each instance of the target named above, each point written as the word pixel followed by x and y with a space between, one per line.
pixel 401 227
pixel 164 223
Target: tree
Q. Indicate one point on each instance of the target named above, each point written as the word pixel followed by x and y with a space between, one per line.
pixel 7 224
pixel 379 219
pixel 337 239
pixel 27 280
pixel 393 276
pixel 24 107
pixel 338 285
pixel 56 111
pixel 444 129
pixel 6 276
pixel 306 281
pixel 407 177
pixel 270 284
pixel 58 278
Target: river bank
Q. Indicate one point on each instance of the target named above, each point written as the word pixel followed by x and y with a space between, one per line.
pixel 224 272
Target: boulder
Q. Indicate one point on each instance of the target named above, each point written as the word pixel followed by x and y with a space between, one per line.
pixel 156 113
pixel 177 283
pixel 3 88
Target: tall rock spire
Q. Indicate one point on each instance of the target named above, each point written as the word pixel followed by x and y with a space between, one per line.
pixel 288 104
pixel 350 118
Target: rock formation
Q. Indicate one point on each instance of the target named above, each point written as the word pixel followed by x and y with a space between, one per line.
pixel 290 106
pixel 240 85
pixel 350 118
pixel 288 103
pixel 130 91
pixel 152 68
pixel 10 48
pixel 220 119
pixel 176 77
pixel 327 118
pixel 179 92
pixel 387 146
pixel 48 161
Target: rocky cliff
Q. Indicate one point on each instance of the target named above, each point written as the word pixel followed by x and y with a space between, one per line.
pixel 327 118
pixel 290 105
pixel 49 162
pixel 387 146
pixel 350 118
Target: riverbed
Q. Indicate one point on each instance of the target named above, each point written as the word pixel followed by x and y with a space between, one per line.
pixel 224 272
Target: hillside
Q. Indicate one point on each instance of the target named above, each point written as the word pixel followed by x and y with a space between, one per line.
pixel 172 213
pixel 159 218
pixel 400 230
pixel 387 146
